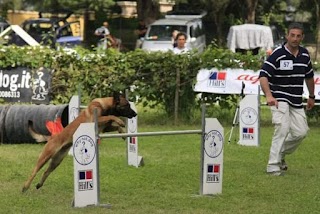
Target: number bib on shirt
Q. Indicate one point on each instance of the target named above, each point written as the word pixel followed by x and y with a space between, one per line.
pixel 286 65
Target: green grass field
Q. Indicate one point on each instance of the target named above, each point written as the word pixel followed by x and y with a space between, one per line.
pixel 169 181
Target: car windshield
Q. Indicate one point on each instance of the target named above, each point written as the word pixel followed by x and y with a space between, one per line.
pixel 38 28
pixel 164 32
pixel 65 31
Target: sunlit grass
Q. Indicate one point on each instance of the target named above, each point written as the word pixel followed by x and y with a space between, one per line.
pixel 169 181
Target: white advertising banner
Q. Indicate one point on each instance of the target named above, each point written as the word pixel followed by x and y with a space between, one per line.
pixel 229 81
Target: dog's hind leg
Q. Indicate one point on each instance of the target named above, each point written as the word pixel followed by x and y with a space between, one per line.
pixel 42 160
pixel 55 162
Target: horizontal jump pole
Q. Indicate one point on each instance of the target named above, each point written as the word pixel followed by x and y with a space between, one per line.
pixel 150 133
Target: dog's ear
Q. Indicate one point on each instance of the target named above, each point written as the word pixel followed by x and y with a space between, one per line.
pixel 116 97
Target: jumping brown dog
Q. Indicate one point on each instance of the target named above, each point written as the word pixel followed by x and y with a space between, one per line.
pixel 109 110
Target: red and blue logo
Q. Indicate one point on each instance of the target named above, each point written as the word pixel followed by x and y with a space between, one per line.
pixel 217 79
pixel 248 133
pixel 220 75
pixel 248 130
pixel 213 173
pixel 85 181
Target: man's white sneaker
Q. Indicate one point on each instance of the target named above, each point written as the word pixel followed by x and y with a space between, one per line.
pixel 276 173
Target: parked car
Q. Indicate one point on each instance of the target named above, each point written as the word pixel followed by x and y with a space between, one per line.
pixel 50 31
pixel 159 33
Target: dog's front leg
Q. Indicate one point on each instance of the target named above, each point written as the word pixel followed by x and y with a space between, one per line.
pixel 114 127
pixel 106 119
pixel 55 162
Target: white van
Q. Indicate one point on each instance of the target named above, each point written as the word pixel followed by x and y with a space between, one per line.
pixel 159 34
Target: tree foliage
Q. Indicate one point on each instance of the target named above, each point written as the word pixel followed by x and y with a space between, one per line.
pixel 95 5
pixel 148 10
pixel 222 13
pixel 5 6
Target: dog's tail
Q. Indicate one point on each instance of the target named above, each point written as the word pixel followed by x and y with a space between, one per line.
pixel 35 135
pixel 54 127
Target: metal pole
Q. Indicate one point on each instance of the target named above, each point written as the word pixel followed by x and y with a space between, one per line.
pixel 79 99
pixel 259 117
pixel 199 131
pixel 203 126
pixel 236 115
pixel 235 122
pixel 127 141
pixel 95 113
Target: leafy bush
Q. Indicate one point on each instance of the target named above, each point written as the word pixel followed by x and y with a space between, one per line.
pixel 151 77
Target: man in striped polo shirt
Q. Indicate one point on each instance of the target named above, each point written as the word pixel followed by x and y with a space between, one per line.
pixel 281 79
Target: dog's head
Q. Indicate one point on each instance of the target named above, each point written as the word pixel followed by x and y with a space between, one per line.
pixel 122 106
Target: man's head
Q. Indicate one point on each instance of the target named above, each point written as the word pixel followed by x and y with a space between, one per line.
pixel 181 39
pixel 295 35
pixel 105 24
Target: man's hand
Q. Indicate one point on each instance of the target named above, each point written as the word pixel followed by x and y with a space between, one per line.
pixel 310 103
pixel 271 101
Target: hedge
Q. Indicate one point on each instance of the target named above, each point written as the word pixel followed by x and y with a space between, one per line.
pixel 152 77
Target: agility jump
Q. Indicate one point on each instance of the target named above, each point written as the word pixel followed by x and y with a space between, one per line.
pixel 86 153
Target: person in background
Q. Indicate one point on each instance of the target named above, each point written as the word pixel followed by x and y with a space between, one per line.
pixel 181 40
pixel 104 35
pixel 140 32
pixel 281 79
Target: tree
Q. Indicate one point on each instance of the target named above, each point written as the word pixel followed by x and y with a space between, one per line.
pixel 314 7
pixel 75 5
pixel 251 10
pixel 317 16
pixel 148 10
pixel 100 7
pixel 5 6
pixel 217 10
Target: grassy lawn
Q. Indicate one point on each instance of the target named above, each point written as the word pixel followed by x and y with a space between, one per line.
pixel 169 181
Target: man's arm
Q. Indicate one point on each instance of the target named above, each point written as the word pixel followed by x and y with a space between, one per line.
pixel 142 31
pixel 98 32
pixel 310 86
pixel 264 83
pixel 110 38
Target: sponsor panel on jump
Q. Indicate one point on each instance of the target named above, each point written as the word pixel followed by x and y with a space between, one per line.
pixel 86 181
pixel 229 81
pixel 212 158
